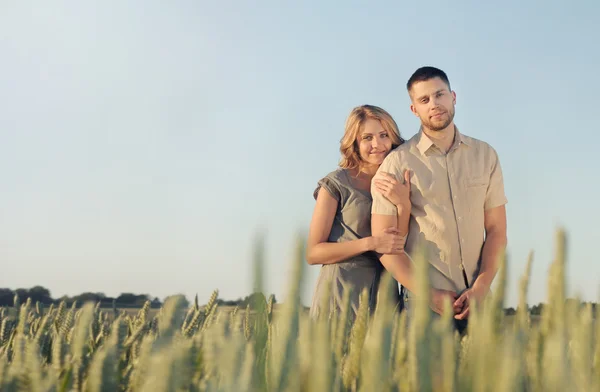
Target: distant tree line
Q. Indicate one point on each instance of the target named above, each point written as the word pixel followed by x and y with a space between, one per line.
pixel 247 300
pixel 537 310
pixel 42 295
pixel 131 300
pixel 124 300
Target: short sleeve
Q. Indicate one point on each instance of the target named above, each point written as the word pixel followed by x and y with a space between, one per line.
pixel 381 205
pixel 330 186
pixel 495 195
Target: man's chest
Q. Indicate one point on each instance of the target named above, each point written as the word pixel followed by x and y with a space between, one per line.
pixel 458 179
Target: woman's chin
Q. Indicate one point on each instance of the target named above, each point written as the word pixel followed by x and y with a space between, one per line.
pixel 377 161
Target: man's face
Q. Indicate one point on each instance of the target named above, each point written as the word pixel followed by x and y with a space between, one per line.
pixel 433 102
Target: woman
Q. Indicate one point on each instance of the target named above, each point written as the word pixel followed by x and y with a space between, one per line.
pixel 340 235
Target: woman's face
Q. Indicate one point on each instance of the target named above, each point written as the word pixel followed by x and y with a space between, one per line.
pixel 374 143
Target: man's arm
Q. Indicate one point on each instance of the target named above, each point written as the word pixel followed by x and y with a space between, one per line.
pixel 396 192
pixel 403 219
pixel 399 265
pixel 495 239
pixel 493 247
pixel 495 226
pixel 384 214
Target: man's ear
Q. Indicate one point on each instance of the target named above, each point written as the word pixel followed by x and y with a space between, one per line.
pixel 413 109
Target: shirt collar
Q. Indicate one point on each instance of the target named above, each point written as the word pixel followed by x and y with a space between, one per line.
pixel 424 142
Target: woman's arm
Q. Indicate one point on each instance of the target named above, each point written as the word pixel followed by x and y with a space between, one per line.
pixel 319 251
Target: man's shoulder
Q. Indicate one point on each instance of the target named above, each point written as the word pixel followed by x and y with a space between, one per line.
pixel 405 148
pixel 400 153
pixel 480 151
pixel 473 141
pixel 392 159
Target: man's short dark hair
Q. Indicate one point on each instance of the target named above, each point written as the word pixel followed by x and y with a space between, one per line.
pixel 426 73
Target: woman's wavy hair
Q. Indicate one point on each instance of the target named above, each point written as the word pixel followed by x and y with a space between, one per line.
pixel 354 125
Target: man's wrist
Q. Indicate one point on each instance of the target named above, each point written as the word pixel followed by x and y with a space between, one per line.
pixel 481 285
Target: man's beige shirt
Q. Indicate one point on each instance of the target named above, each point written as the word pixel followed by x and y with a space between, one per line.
pixel 449 194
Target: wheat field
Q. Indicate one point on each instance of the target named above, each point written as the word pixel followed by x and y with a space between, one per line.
pixel 208 349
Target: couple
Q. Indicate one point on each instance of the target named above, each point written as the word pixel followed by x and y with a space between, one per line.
pixel 441 191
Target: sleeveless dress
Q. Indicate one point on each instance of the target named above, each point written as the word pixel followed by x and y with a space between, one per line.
pixel 352 222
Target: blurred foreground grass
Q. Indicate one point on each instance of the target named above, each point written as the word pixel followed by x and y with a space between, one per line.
pixel 212 349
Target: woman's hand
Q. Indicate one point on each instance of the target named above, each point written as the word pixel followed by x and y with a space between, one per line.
pixel 388 242
pixel 396 192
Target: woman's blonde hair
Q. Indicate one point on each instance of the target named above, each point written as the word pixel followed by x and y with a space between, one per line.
pixel 354 125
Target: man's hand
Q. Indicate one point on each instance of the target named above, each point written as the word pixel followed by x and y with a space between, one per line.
pixel 461 305
pixel 438 297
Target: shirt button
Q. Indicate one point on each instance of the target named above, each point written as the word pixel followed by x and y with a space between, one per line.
pixel 460 218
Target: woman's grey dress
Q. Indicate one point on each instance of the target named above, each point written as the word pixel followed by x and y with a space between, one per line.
pixel 352 222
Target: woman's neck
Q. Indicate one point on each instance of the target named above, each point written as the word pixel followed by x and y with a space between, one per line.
pixel 365 171
pixel 369 170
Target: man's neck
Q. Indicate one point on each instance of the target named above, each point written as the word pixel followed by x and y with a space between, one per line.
pixel 442 139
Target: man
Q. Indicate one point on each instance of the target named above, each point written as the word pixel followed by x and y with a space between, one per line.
pixel 456 196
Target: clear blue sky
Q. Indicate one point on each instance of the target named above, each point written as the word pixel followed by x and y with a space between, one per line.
pixel 142 144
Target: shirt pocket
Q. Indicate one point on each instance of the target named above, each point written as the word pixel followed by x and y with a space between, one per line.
pixel 476 182
pixel 476 190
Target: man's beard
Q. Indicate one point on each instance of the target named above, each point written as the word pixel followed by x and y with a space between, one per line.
pixel 439 126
